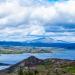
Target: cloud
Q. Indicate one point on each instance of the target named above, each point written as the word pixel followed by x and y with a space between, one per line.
pixel 23 18
pixel 70 39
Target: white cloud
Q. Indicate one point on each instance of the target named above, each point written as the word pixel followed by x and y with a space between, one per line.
pixel 70 39
pixel 44 13
pixel 66 10
pixel 20 18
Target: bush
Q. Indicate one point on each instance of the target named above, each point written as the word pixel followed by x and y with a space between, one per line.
pixel 20 71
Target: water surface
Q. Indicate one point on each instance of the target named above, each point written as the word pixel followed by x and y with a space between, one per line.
pixel 15 58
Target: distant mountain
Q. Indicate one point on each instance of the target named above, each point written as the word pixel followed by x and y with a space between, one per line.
pixel 4 64
pixel 40 43
pixel 48 40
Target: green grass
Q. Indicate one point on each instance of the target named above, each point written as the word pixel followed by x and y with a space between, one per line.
pixel 70 69
pixel 11 51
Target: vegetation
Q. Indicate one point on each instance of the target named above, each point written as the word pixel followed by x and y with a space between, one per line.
pixel 45 67
pixel 11 51
pixel 70 69
pixel 50 71
pixel 20 50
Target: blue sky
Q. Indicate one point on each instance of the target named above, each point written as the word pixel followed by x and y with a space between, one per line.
pixel 19 19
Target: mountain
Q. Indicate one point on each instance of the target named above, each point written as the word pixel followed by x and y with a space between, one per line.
pixel 4 64
pixel 32 61
pixel 48 40
pixel 41 42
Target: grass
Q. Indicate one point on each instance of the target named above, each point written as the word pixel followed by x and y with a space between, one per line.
pixel 11 51
pixel 47 67
pixel 44 70
pixel 70 69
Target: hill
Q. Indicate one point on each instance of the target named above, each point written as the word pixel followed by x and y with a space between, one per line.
pixel 35 66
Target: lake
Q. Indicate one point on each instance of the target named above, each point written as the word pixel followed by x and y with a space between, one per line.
pixel 15 58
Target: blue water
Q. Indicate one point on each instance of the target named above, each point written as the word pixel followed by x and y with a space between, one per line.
pixel 15 58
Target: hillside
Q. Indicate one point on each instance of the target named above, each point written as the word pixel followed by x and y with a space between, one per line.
pixel 35 66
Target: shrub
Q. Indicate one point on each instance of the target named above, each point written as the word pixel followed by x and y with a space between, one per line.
pixel 20 71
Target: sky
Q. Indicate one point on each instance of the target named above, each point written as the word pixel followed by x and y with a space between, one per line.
pixel 26 20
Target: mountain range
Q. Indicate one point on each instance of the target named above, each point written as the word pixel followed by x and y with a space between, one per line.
pixel 41 42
